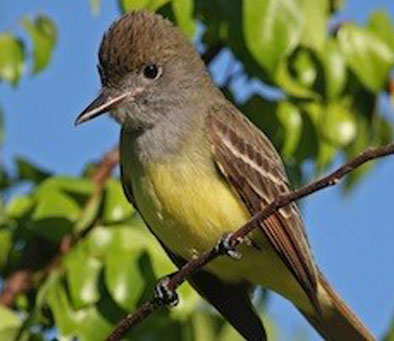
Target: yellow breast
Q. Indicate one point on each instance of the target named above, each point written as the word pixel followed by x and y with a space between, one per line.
pixel 188 206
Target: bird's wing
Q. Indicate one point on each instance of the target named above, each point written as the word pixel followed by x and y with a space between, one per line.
pixel 124 166
pixel 231 300
pixel 249 162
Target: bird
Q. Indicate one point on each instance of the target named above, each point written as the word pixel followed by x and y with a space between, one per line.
pixel 196 169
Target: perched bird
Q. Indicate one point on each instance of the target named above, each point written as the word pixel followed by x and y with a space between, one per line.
pixel 195 168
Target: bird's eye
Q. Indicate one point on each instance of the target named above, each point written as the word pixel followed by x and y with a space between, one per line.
pixel 151 71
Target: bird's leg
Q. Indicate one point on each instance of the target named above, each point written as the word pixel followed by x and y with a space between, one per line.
pixel 163 294
pixel 225 246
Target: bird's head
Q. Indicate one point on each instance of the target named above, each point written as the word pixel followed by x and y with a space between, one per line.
pixel 147 66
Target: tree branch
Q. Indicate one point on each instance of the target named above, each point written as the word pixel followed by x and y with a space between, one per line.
pixel 21 280
pixel 238 236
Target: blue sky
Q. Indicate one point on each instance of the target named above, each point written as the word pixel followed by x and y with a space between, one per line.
pixel 352 237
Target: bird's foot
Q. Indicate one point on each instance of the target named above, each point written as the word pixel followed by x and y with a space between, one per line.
pixel 164 295
pixel 225 246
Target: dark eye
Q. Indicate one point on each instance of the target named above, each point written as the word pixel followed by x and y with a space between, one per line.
pixel 151 71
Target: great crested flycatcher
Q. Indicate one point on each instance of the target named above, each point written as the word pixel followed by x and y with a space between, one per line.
pixel 195 168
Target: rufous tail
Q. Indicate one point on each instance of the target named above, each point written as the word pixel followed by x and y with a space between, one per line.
pixel 336 321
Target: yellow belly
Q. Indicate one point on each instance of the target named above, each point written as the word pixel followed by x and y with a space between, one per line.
pixel 189 207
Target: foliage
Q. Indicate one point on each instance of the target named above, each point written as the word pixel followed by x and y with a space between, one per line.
pixel 87 256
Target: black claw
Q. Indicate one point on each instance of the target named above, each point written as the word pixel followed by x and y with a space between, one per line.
pixel 164 295
pixel 225 246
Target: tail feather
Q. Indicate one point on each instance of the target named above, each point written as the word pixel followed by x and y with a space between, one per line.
pixel 336 321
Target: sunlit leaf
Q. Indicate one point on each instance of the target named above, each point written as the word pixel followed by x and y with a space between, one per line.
pixel 272 29
pixel 12 56
pixel 82 277
pixel 20 206
pixel 291 85
pixel 360 143
pixel 99 241
pixel 55 211
pixel 334 69
pixel 116 206
pixel 10 323
pixel 290 117
pixel 315 29
pixel 123 276
pixel 77 322
pixel 338 124
pixel 183 10
pixel 43 34
pixel 89 213
pixel 132 5
pixel 368 56
pixel 303 67
pixel 380 23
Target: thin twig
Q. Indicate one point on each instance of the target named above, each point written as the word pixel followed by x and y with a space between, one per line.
pixel 237 238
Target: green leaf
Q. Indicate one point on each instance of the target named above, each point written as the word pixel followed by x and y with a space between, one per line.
pixel 5 245
pixel 89 213
pixel 116 206
pixel 325 155
pixel 334 69
pixel 79 188
pixel 43 34
pixel 309 148
pixel 315 28
pixel 76 323
pixel 203 326
pixel 183 10
pixel 263 114
pixel 10 323
pixel 99 241
pixel 123 277
pixel 368 56
pixel 379 23
pixel 82 277
pixel 132 5
pixel 12 56
pixel 272 29
pixel 338 124
pixel 54 215
pixel 360 143
pixel 29 171
pixel 291 120
pixel 291 85
pixel 302 66
pixel 20 206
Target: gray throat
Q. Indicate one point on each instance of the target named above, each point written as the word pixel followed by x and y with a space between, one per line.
pixel 168 136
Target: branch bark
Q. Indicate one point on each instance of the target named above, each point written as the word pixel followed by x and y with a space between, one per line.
pixel 131 320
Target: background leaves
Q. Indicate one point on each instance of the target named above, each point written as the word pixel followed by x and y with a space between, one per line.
pixel 84 254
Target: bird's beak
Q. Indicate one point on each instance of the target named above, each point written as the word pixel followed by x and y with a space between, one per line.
pixel 103 103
